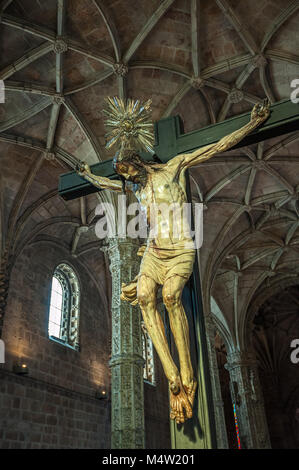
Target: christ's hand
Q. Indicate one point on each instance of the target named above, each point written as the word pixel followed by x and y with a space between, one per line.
pixel 261 111
pixel 82 168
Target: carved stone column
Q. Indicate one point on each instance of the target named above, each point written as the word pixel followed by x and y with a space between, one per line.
pixel 221 433
pixel 247 396
pixel 127 400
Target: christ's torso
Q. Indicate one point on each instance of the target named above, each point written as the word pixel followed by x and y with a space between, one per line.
pixel 164 201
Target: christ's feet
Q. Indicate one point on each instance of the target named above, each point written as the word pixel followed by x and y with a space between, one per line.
pixel 181 409
pixel 190 390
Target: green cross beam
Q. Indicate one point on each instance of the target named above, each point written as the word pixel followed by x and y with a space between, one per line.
pixel 170 141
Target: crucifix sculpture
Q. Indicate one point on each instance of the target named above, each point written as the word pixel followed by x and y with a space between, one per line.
pixel 169 255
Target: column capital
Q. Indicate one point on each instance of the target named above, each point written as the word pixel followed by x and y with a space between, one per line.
pixel 240 359
pixel 115 246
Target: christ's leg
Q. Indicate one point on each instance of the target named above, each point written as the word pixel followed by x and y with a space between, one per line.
pixel 146 293
pixel 172 293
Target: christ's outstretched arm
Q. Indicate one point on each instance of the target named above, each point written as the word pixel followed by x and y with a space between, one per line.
pixel 259 114
pixel 98 181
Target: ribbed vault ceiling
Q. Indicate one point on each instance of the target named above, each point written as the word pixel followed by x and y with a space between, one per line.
pixel 204 60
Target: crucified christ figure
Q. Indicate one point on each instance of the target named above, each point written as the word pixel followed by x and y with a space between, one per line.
pixel 167 259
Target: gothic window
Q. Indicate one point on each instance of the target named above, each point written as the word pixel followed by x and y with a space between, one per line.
pixel 148 356
pixel 63 325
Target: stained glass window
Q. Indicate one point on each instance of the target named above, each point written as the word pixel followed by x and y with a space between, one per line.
pixel 148 356
pixel 237 427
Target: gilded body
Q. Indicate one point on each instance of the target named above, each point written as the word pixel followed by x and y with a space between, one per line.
pixel 169 255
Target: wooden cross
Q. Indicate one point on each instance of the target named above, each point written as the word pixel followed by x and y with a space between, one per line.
pixel 170 141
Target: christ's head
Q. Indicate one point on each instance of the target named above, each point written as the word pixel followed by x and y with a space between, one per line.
pixel 132 169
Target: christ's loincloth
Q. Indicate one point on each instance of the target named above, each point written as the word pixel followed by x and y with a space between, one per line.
pixel 160 264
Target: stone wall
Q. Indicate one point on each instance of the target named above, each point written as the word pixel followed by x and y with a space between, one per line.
pixel 37 415
pixel 55 405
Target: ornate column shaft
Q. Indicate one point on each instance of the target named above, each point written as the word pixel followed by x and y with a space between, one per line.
pixel 247 396
pixel 127 399
pixel 221 433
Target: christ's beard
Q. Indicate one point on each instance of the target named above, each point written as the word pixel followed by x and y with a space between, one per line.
pixel 141 178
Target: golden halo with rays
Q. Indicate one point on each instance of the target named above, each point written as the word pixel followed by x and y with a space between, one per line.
pixel 129 125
